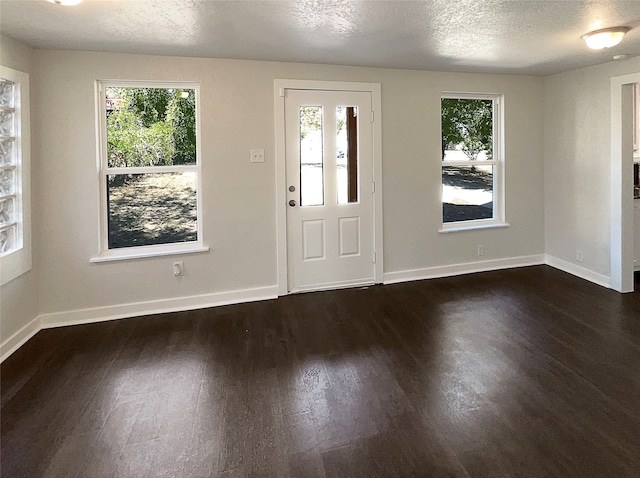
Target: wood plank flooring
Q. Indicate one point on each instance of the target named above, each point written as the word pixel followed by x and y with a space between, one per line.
pixel 527 372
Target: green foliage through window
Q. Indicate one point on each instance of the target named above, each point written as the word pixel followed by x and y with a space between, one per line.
pixel 469 170
pixel 467 125
pixel 150 126
pixel 310 120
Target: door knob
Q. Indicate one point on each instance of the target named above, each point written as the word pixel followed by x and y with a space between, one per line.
pixel 292 203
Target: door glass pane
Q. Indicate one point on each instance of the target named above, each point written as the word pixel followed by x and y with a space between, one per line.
pixel 467 193
pixel 311 156
pixel 347 153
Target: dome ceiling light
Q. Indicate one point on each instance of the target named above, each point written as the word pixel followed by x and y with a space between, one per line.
pixel 605 38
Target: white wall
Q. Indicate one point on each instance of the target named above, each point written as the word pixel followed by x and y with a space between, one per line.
pixel 411 170
pixel 19 297
pixel 239 197
pixel 577 151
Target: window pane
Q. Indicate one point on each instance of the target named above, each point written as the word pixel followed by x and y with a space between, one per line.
pixel 150 126
pixel 146 209
pixel 7 239
pixel 467 193
pixel 347 154
pixel 7 208
pixel 467 129
pixel 311 156
pixel 7 182
pixel 6 152
pixel 6 93
pixel 6 123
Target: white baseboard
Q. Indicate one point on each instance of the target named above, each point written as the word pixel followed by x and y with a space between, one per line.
pixel 16 341
pixel 113 312
pixel 578 271
pixel 459 269
pixel 136 309
pixel 335 286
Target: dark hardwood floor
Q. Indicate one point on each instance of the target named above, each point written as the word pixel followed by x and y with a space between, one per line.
pixel 527 372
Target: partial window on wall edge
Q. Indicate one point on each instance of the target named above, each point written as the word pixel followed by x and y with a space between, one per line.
pixel 15 167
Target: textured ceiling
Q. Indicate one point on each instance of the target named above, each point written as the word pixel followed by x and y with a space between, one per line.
pixel 502 36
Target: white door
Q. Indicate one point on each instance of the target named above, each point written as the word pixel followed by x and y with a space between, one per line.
pixel 329 168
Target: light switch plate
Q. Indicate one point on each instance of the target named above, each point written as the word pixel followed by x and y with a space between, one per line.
pixel 257 155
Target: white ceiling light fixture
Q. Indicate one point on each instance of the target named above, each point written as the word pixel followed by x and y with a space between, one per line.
pixel 66 3
pixel 605 38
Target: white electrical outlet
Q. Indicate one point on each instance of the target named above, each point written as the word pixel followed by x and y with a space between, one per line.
pixel 481 250
pixel 178 268
pixel 579 255
pixel 257 155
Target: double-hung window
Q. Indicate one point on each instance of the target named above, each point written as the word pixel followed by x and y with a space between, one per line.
pixel 15 222
pixel 472 161
pixel 149 169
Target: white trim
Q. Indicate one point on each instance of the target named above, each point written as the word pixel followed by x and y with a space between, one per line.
pixel 286 84
pixel 335 285
pixel 161 306
pixel 460 269
pixel 104 253
pixel 136 309
pixel 469 95
pixel 149 251
pixel 578 271
pixel 149 83
pixel 178 168
pixel 281 184
pixel 621 189
pixel 280 87
pixel 378 245
pixel 473 225
pixel 18 339
pixel 498 161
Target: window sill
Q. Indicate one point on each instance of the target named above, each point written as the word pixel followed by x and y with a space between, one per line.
pixel 473 227
pixel 15 263
pixel 143 253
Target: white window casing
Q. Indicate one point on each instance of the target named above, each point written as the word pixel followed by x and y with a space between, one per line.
pixel 497 162
pixel 105 254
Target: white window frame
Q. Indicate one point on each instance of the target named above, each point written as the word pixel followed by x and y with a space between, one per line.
pixel 104 170
pixel 498 161
pixel 17 261
pixel 636 121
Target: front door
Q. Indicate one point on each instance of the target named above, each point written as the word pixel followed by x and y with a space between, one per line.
pixel 329 168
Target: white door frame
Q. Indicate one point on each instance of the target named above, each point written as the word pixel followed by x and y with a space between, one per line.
pixel 279 87
pixel 621 216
